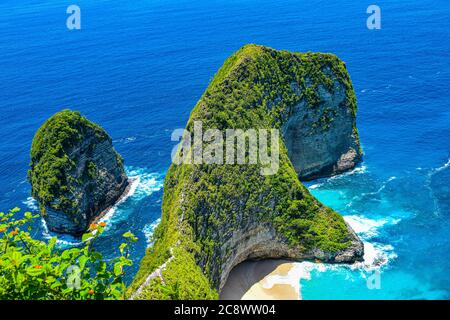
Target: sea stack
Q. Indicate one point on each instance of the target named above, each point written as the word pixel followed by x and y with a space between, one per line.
pixel 215 216
pixel 75 173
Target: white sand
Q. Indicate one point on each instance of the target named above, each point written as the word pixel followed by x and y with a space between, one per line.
pixel 263 280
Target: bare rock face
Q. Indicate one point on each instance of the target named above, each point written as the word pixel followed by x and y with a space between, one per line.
pixel 75 172
pixel 331 146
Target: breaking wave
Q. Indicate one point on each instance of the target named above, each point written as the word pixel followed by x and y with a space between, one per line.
pixel 144 183
pixel 148 231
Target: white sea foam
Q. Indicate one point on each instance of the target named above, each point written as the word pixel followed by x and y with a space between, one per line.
pixel 368 228
pixel 375 254
pixel 148 231
pixel 292 278
pixel 439 169
pixel 64 240
pixel 149 182
pixel 134 185
pixel 358 170
pixel 364 226
pixel 143 185
pixel 125 140
pixel 130 139
pixel 31 203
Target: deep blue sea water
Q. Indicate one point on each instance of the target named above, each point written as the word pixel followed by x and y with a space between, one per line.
pixel 138 67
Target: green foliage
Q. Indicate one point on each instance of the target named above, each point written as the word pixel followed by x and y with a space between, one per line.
pixel 182 279
pixel 258 83
pixel 50 162
pixel 91 169
pixel 31 269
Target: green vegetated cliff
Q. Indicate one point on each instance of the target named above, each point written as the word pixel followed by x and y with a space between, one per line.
pixel 75 173
pixel 216 216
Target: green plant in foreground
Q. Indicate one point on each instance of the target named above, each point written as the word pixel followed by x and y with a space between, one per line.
pixel 32 269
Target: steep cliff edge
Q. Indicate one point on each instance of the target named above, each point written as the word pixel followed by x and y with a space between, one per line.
pixel 215 216
pixel 320 132
pixel 75 173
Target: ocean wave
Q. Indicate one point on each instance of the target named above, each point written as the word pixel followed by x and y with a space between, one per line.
pixel 63 240
pixel 324 181
pixel 375 254
pixel 364 227
pixel 439 169
pixel 125 140
pixel 144 184
pixel 358 170
pixel 383 186
pixel 315 186
pixel 376 257
pixel 149 182
pixel 148 231
pixel 369 228
pixel 130 139
pixel 31 204
pixel 134 185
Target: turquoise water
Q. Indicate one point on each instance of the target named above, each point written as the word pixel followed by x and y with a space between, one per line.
pixel 405 237
pixel 138 67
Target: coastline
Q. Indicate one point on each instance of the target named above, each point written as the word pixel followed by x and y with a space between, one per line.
pixel 128 191
pixel 104 216
pixel 272 279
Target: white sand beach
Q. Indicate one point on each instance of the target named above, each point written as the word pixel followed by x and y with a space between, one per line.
pixel 263 280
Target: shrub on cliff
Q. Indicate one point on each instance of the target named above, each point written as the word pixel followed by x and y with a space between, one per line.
pixel 31 269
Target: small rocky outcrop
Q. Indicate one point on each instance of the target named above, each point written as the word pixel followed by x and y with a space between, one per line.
pixel 75 173
pixel 215 216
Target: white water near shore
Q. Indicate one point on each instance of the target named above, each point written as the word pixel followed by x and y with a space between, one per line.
pixel 143 184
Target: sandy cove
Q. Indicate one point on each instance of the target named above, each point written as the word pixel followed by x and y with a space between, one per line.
pixel 263 280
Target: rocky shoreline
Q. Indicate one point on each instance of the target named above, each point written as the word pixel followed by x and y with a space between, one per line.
pixel 122 198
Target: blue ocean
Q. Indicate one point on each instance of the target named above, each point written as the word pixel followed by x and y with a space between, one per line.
pixel 138 67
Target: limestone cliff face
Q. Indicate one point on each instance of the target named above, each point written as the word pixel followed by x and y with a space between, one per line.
pixel 332 145
pixel 215 216
pixel 75 172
